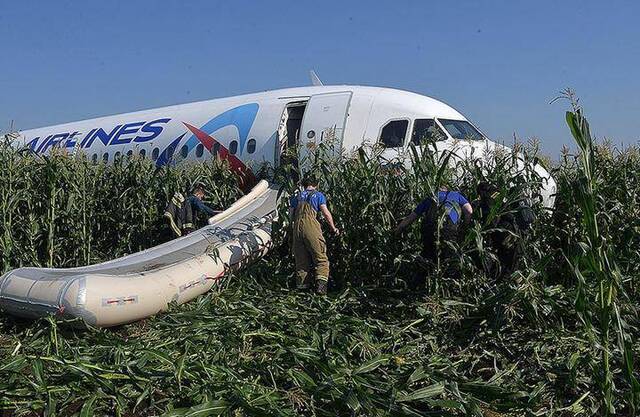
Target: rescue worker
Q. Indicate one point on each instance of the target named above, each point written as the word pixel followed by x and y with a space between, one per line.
pixel 444 214
pixel 486 194
pixel 508 227
pixel 308 244
pixel 181 213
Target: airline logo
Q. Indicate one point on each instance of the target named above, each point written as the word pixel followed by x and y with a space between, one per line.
pixel 122 134
pixel 241 117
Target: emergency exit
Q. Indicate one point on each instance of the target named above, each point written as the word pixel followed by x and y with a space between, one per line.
pixel 324 121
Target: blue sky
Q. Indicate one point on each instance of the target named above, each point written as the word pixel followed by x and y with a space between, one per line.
pixel 500 63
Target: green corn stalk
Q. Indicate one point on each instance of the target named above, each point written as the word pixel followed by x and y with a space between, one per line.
pixel 473 346
pixel 596 262
pixel 51 223
pixel 84 196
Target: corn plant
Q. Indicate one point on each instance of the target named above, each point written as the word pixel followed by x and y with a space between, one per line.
pixel 530 342
pixel 64 210
pixel 599 278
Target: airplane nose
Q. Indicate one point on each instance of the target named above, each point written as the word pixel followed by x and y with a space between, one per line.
pixel 484 149
pixel 549 187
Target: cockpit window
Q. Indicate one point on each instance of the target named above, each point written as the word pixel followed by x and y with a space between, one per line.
pixel 461 129
pixel 393 133
pixel 426 130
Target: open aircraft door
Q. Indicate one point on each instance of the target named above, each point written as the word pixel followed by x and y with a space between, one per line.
pixel 324 122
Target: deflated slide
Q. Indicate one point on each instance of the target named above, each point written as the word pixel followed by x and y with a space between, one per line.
pixel 142 284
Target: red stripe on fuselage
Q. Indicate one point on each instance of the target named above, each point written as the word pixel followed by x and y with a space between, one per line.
pixel 223 152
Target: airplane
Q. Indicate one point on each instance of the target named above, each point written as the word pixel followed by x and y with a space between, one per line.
pixel 246 130
pixel 257 128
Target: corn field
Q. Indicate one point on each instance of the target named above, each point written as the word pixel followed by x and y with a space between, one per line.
pixel 68 211
pixel 558 335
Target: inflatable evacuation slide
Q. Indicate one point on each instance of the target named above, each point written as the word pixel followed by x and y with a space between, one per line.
pixel 139 285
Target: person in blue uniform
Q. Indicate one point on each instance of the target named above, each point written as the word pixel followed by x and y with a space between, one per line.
pixel 442 218
pixel 181 213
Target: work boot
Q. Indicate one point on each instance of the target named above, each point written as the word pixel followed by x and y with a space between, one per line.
pixel 321 286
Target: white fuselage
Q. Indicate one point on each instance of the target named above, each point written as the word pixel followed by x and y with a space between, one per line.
pixel 255 128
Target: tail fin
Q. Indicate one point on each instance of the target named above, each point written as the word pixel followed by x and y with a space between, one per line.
pixel 315 80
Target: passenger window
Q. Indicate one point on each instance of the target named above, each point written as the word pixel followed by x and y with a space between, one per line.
pixel 184 151
pixel 94 158
pixel 129 153
pixel 199 150
pixel 233 147
pixel 143 153
pixel 155 153
pixel 426 130
pixel 251 146
pixel 116 156
pixel 105 157
pixel 393 133
pixel 216 148
pixel 170 151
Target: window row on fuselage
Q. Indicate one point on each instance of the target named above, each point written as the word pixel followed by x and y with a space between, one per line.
pixel 184 151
